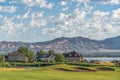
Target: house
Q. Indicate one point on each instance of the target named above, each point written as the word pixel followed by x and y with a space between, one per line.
pixel 46 57
pixel 17 57
pixel 73 57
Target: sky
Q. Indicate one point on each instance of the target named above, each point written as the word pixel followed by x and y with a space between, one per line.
pixel 43 20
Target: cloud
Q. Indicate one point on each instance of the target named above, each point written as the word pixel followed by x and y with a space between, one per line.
pixel 114 1
pixel 102 14
pixel 79 14
pixel 81 0
pixel 39 3
pixel 9 28
pixel 99 1
pixel 45 31
pixel 65 8
pixel 68 18
pixel 63 3
pixel 66 24
pixel 34 19
pixel 37 19
pixel 24 16
pixel 84 22
pixel 10 9
pixel 2 0
pixel 38 22
pixel 116 15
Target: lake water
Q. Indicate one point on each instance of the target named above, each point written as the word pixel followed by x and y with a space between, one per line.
pixel 103 59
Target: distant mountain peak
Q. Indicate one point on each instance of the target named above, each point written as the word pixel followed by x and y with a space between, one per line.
pixel 65 44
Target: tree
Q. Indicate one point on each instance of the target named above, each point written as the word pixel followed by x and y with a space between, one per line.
pixel 28 53
pixel 40 52
pixel 60 58
pixel 51 52
pixel 2 58
pixel 23 50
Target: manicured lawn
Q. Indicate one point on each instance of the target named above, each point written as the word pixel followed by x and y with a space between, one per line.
pixel 49 73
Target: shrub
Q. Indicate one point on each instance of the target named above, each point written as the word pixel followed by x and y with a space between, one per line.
pixel 5 64
pixel 52 61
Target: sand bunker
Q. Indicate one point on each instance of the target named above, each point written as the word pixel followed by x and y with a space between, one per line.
pixel 105 69
pixel 62 69
pixel 81 69
pixel 75 70
pixel 11 69
pixel 106 63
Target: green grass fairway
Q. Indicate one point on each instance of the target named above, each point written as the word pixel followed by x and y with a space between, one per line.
pixel 49 73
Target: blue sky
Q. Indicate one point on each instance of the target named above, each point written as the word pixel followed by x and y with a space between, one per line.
pixel 43 20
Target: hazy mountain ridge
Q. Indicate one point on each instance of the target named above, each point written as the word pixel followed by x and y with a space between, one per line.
pixel 65 44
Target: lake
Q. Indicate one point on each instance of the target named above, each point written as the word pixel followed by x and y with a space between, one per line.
pixel 103 59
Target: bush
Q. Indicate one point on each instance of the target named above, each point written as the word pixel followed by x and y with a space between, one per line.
pixel 2 58
pixel 21 64
pixel 52 61
pixel 5 64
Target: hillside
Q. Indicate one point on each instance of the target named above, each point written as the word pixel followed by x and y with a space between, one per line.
pixel 65 44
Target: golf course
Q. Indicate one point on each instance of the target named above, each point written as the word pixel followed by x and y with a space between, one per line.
pixel 61 72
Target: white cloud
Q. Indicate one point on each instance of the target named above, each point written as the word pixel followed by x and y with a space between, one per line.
pixel 87 7
pixel 46 31
pixel 38 22
pixel 24 16
pixel 63 3
pixel 81 0
pixel 110 28
pixel 116 15
pixel 2 0
pixel 9 27
pixel 62 16
pixel 114 1
pixel 67 24
pixel 65 19
pixel 99 1
pixel 80 14
pixel 37 19
pixel 37 14
pixel 102 14
pixel 82 22
pixel 10 9
pixel 40 3
pixel 65 9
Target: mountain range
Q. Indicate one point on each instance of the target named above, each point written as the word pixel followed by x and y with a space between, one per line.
pixel 65 44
